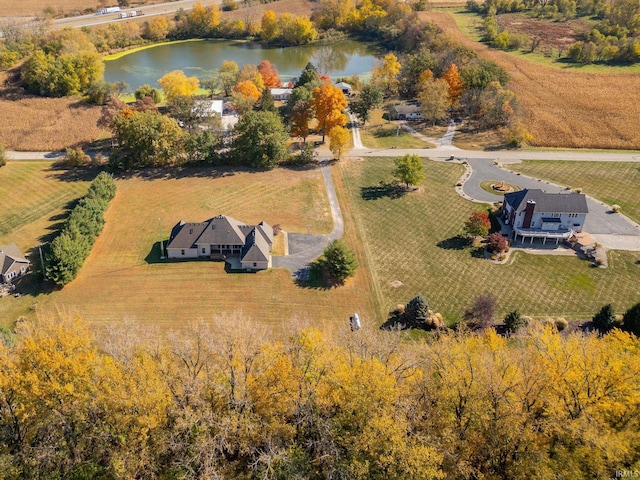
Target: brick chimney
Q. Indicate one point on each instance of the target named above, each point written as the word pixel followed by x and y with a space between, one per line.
pixel 528 213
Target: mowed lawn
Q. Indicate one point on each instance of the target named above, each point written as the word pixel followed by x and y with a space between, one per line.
pixel 403 236
pixel 609 182
pixel 122 278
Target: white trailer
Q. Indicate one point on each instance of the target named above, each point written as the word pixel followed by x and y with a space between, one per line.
pixel 107 10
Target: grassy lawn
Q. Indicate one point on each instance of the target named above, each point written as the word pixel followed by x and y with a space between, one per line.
pixel 404 238
pixel 122 277
pixel 379 133
pixel 610 182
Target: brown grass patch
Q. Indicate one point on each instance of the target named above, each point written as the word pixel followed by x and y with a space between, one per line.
pixel 563 107
pixel 118 282
pixel 10 8
pixel 31 123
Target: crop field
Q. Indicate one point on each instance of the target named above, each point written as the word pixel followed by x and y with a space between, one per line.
pixel 414 240
pixel 123 277
pixel 565 107
pixel 610 182
pixel 57 7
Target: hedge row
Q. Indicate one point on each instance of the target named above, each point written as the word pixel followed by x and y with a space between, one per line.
pixel 72 246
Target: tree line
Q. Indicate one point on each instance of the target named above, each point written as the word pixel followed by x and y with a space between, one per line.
pixel 70 248
pixel 217 400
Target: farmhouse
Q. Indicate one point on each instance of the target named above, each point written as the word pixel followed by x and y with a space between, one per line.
pixel 536 214
pixel 405 111
pixel 345 87
pixel 13 263
pixel 223 237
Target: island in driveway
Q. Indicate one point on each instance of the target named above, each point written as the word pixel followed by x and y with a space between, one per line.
pixel 245 247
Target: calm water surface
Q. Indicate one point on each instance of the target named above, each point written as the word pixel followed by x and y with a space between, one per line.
pixel 203 58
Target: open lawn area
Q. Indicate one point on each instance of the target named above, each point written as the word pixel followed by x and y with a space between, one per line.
pixel 609 182
pixel 123 277
pixel 380 133
pixel 412 239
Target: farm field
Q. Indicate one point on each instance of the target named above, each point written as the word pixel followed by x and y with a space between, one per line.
pixel 612 183
pixel 565 107
pixel 122 278
pixel 59 7
pixel 412 239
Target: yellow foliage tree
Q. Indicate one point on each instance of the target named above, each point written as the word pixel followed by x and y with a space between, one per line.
pixel 176 84
pixel 456 86
pixel 338 140
pixel 385 74
pixel 270 28
pixel 329 103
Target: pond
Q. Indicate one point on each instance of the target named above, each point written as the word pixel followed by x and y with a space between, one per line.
pixel 203 58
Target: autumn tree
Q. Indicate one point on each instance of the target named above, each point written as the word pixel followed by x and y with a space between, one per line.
pixel 176 83
pixel 434 98
pixel 251 72
pixel 3 156
pixel 228 76
pixel 245 95
pixel 269 74
pixel 496 243
pixel 261 140
pixel 497 106
pixel 409 170
pixel 270 28
pixel 147 91
pixel 452 77
pixel 329 103
pixel 385 74
pixel 156 28
pixel 297 30
pixel 477 225
pixel 339 138
pixel 300 111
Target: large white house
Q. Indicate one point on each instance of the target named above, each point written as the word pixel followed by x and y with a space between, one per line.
pixel 223 237
pixel 532 213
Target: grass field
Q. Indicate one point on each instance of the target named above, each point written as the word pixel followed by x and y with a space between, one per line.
pixel 59 7
pixel 380 133
pixel 123 279
pixel 612 183
pixel 412 239
pixel 568 108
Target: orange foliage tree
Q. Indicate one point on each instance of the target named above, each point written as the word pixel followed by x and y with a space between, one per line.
pixel 270 75
pixel 329 103
pixel 456 86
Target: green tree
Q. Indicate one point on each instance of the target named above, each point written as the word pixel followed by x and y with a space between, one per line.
pixel 147 91
pixel 146 139
pixel 339 262
pixel 478 224
pixel 371 97
pixel 100 92
pixel 309 78
pixel 409 169
pixel 416 312
pixel 228 76
pixel 261 140
pixel 631 320
pixel 513 321
pixel 605 319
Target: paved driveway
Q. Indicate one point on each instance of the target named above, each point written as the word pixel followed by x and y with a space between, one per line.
pixel 613 230
pixel 304 248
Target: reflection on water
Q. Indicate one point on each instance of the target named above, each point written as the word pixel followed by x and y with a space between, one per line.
pixel 202 59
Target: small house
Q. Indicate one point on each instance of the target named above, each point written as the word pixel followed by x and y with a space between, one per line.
pixel 406 111
pixel 13 263
pixel 281 94
pixel 345 87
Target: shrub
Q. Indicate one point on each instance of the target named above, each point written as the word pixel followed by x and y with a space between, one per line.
pixel 561 324
pixel 76 157
pixel 496 243
pixel 615 208
pixel 3 156
pixel 482 311
pixel 478 224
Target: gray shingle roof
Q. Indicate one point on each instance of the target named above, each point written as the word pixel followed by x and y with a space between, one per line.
pixel 222 230
pixel 256 249
pixel 548 202
pixel 11 259
pixel 184 235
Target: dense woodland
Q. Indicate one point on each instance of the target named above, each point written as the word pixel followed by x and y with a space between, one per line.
pixel 217 400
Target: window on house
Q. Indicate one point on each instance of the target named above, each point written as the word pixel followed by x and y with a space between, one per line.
pixel 182 252
pixel 204 250
pixel 255 264
pixel 555 215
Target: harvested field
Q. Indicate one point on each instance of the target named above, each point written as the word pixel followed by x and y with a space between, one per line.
pixel 31 123
pixel 416 240
pixel 565 107
pixel 58 7
pixel 123 278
